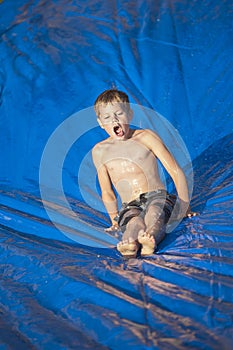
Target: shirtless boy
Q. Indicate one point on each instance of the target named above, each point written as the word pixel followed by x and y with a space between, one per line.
pixel 127 161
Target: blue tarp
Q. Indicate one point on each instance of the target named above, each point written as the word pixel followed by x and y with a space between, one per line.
pixel 63 284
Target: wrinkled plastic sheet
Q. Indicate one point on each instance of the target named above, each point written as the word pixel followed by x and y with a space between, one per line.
pixel 63 284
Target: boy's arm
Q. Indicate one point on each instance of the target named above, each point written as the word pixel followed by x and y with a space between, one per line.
pixel 161 152
pixel 107 193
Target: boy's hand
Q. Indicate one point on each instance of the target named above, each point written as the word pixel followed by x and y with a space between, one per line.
pixel 112 228
pixel 190 213
pixel 185 208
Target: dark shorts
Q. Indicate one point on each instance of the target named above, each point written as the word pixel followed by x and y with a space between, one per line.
pixel 138 207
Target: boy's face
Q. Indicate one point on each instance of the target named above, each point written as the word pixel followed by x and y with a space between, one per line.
pixel 114 119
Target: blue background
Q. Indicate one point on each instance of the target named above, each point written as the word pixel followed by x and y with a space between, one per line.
pixel 174 57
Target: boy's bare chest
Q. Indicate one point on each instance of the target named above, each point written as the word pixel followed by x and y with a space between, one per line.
pixel 125 153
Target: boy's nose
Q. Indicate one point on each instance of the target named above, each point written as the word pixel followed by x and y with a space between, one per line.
pixel 114 118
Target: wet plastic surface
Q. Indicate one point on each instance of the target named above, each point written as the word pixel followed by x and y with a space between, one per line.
pixel 56 57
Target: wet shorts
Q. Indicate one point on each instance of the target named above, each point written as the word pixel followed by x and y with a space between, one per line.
pixel 138 207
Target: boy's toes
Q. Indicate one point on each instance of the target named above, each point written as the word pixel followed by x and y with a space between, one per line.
pixel 128 248
pixel 148 243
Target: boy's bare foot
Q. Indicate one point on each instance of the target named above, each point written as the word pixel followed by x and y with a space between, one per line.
pixel 148 243
pixel 128 248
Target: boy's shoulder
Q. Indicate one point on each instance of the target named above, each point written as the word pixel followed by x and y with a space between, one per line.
pixel 144 133
pixel 100 146
pixel 102 143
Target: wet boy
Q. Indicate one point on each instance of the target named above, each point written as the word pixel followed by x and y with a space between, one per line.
pixel 127 161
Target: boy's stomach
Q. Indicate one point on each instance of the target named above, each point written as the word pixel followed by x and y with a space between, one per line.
pixel 131 188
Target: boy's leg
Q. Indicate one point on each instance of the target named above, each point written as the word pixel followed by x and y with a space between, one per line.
pixel 155 222
pixel 129 246
pixel 155 229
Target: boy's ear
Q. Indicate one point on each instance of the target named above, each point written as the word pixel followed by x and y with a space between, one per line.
pixel 100 123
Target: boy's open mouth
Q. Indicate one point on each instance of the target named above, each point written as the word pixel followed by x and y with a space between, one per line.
pixel 118 131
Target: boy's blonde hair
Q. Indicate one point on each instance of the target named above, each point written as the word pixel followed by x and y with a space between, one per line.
pixel 111 96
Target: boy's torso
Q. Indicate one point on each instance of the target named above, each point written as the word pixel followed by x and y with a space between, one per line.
pixel 132 167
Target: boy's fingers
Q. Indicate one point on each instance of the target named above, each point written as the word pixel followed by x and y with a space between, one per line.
pixel 112 228
pixel 191 214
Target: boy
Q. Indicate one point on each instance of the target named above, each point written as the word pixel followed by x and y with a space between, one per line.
pixel 127 161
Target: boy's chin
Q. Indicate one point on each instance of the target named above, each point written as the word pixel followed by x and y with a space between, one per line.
pixel 118 138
